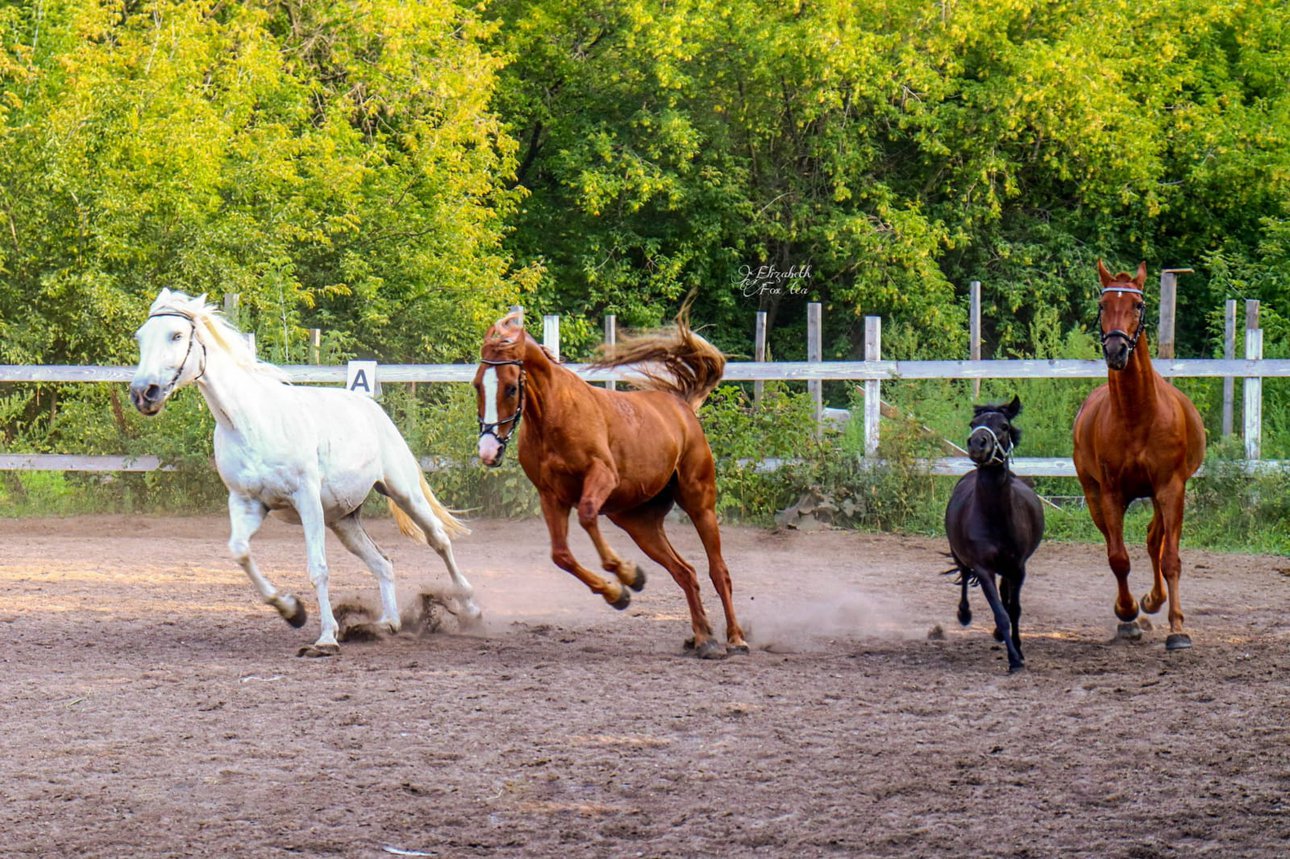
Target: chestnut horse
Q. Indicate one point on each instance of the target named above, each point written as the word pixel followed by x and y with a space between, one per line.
pixel 628 455
pixel 1137 436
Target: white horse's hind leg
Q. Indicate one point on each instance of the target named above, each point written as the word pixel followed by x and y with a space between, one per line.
pixel 356 539
pixel 309 505
pixel 416 506
pixel 245 516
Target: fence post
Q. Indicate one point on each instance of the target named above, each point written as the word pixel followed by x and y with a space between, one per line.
pixel 551 334
pixel 872 387
pixel 1229 352
pixel 250 341
pixel 974 331
pixel 1168 304
pixel 315 345
pixel 1253 398
pixel 611 337
pixel 815 354
pixel 759 355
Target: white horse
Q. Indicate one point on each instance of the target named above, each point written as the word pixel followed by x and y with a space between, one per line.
pixel 308 455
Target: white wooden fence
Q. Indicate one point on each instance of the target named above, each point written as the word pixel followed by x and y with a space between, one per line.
pixel 873 372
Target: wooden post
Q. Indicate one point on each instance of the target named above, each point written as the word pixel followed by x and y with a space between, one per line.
pixel 1229 352
pixel 815 353
pixel 551 334
pixel 611 337
pixel 759 355
pixel 315 345
pixel 250 341
pixel 1253 399
pixel 872 387
pixel 1251 313
pixel 1168 304
pixel 974 331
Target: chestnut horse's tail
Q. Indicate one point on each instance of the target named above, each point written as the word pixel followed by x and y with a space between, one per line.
pixel 678 361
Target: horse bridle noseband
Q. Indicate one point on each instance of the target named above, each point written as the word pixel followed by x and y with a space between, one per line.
pixel 998 454
pixel 1142 319
pixel 192 337
pixel 514 420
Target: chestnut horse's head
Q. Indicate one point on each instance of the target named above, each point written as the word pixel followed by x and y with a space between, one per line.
pixel 1121 314
pixel 993 436
pixel 499 386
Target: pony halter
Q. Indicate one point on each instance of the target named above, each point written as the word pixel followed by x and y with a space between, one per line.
pixel 999 455
pixel 1142 319
pixel 486 428
pixel 192 338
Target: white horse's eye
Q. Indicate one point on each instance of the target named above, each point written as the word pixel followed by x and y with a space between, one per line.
pixel 176 337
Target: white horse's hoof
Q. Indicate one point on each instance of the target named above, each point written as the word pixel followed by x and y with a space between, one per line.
pixel 319 650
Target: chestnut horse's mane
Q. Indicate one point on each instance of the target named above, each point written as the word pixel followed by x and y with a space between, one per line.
pixel 675 360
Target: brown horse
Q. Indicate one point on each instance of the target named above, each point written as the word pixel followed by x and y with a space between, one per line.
pixel 628 455
pixel 1137 436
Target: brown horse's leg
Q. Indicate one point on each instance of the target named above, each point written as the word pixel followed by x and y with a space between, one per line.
pixel 697 495
pixel 1153 600
pixel 1171 508
pixel 597 485
pixel 1112 524
pixel 645 526
pixel 557 525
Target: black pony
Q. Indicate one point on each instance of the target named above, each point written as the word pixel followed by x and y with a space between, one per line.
pixel 994 523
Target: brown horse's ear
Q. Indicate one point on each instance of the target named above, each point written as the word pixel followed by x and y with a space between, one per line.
pixel 1106 276
pixel 1013 408
pixel 1142 274
pixel 510 327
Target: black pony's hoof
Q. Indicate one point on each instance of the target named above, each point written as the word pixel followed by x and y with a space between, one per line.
pixel 623 601
pixel 999 634
pixel 299 616
pixel 965 616
pixel 637 584
pixel 1019 667
pixel 1128 631
pixel 1178 641
pixel 709 649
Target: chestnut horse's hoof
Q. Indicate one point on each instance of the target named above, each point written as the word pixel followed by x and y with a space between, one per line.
pixel 637 584
pixel 1178 641
pixel 623 601
pixel 319 650
pixel 297 617
pixel 740 648
pixel 1128 631
pixel 709 649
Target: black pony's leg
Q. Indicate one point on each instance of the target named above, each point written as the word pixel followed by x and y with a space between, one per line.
pixel 965 611
pixel 1001 620
pixel 1013 603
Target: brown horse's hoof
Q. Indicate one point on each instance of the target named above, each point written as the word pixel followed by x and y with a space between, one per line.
pixel 740 649
pixel 298 617
pixel 709 649
pixel 1128 631
pixel 638 583
pixel 1149 605
pixel 1178 641
pixel 319 650
pixel 623 601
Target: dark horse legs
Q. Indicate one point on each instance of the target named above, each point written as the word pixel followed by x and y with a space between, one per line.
pixel 1003 628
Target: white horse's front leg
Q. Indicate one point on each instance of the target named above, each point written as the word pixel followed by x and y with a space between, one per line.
pixel 309 507
pixel 245 516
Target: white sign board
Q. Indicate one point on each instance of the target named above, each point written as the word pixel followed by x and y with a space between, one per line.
pixel 361 377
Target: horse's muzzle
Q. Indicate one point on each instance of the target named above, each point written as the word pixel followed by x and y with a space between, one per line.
pixel 148 398
pixel 1116 352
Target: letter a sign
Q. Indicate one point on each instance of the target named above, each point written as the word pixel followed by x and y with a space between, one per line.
pixel 361 378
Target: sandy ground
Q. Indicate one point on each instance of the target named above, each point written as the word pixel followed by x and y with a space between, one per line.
pixel 152 707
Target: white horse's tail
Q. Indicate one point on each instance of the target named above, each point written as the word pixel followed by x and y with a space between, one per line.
pixel 451 524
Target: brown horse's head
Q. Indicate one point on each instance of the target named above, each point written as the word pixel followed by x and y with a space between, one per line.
pixel 1121 314
pixel 499 386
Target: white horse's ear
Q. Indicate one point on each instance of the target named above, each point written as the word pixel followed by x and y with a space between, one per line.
pixel 201 299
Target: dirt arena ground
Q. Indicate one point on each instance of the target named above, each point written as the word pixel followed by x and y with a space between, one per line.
pixel 152 707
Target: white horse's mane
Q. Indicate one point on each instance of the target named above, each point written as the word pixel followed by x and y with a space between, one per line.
pixel 215 332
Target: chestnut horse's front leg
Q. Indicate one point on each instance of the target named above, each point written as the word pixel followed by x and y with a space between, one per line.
pixel 557 525
pixel 597 485
pixel 1110 520
pixel 1170 502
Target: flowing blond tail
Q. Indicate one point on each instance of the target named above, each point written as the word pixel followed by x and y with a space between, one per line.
pixel 451 524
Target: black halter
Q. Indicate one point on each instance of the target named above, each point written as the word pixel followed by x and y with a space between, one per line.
pixel 1142 319
pixel 192 338
pixel 513 420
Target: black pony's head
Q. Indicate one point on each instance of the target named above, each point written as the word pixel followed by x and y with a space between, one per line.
pixel 993 436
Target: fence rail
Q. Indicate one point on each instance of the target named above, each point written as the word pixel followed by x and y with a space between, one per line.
pixel 870 372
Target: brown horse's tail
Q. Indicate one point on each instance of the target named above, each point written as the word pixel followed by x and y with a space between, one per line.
pixel 678 361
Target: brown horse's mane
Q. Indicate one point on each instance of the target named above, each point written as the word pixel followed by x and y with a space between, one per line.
pixel 678 361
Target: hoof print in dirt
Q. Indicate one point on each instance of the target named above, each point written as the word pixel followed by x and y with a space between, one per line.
pixel 936 633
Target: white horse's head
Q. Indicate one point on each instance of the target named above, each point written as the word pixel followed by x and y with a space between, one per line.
pixel 171 355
